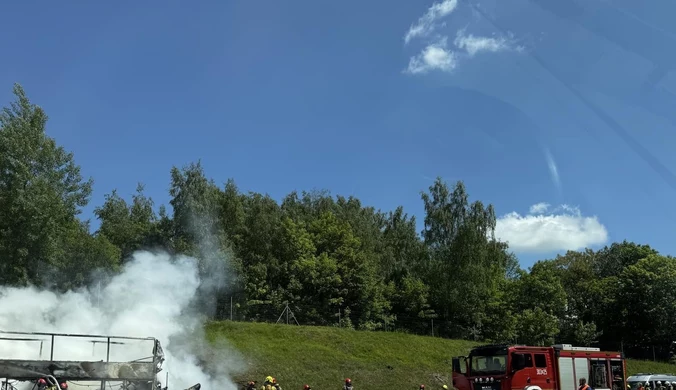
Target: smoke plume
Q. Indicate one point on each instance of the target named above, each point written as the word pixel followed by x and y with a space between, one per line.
pixel 153 296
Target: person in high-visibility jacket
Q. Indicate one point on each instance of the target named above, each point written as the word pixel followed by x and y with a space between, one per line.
pixel 276 385
pixel 267 385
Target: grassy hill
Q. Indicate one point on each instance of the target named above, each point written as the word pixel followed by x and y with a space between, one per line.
pixel 324 357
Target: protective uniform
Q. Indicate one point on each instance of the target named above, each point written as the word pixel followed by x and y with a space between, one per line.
pixel 276 385
pixel 307 387
pixel 267 385
pixel 348 384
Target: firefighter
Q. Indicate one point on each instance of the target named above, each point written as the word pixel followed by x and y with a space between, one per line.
pixel 307 387
pixel 42 383
pixel 267 385
pixel 276 385
pixel 667 384
pixel 63 385
pixel 583 384
pixel 647 385
pixel 444 387
pixel 348 384
pixel 251 385
pixel 422 387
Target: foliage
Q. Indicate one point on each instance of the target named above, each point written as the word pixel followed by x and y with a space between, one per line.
pixel 331 259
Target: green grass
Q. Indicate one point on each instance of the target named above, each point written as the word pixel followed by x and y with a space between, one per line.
pixel 636 366
pixel 324 357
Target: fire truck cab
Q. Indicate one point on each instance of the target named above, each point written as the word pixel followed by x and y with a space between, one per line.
pixel 518 367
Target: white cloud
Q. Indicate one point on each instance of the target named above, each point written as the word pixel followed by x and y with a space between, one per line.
pixel 437 56
pixel 425 24
pixel 474 45
pixel 433 57
pixel 553 170
pixel 564 228
pixel 539 208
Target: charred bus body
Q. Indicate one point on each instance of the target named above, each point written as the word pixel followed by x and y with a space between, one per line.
pixel 517 367
pixel 38 364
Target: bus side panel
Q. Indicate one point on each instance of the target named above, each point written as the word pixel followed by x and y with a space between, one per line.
pixel 566 374
pixel 581 370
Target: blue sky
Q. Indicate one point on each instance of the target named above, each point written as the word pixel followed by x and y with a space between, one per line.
pixel 568 103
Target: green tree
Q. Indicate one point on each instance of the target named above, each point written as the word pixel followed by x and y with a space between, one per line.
pixel 130 227
pixel 41 193
pixel 536 327
pixel 613 259
pixel 465 263
pixel 646 301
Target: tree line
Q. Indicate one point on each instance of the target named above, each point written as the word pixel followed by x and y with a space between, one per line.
pixel 331 259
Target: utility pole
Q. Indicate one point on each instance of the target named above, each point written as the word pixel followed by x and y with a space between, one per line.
pixel 432 327
pixel 230 307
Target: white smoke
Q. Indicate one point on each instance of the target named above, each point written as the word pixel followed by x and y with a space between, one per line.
pixel 153 296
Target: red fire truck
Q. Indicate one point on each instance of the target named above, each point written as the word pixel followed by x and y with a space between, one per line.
pixel 518 367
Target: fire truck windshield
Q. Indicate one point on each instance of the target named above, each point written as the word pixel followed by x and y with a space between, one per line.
pixel 485 364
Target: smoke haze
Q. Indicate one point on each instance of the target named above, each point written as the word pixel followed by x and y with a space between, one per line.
pixel 153 296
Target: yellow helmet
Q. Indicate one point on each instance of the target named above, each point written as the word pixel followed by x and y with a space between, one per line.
pixel 268 379
pixel 444 387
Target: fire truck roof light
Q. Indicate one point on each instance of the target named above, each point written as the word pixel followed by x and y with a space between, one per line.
pixel 569 347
